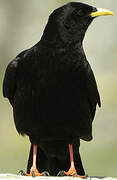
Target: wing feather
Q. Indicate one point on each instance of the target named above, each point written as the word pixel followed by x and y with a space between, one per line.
pixel 91 89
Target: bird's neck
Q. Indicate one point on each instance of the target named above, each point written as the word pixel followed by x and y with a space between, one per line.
pixel 53 39
pixel 56 43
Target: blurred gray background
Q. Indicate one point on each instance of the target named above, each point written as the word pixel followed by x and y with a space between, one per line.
pixel 21 26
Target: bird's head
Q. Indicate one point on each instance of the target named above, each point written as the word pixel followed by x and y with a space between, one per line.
pixel 70 22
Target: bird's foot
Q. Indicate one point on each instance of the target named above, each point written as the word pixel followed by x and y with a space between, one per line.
pixel 71 172
pixel 33 173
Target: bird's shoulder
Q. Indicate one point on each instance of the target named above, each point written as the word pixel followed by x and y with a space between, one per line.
pixel 10 77
pixel 22 58
pixel 13 65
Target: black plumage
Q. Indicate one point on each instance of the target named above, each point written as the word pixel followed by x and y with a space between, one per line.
pixel 52 88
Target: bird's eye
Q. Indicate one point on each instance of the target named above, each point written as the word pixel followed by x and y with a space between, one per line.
pixel 78 12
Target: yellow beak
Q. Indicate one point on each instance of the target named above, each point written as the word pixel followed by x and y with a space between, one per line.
pixel 101 12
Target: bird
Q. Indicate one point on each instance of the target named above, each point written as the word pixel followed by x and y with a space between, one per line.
pixel 53 92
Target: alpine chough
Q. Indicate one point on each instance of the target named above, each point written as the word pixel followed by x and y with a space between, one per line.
pixel 53 92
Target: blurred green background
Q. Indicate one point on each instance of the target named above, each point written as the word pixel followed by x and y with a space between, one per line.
pixel 21 26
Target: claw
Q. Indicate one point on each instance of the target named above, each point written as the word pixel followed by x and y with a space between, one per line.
pixel 83 177
pixel 45 173
pixel 61 173
pixel 33 173
pixel 71 172
pixel 21 172
pixel 74 174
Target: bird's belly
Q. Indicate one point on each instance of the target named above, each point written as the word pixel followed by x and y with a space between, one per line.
pixel 58 113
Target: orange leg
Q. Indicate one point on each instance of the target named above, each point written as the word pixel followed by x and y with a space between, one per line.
pixel 33 170
pixel 72 169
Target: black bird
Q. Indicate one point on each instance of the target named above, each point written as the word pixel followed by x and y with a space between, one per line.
pixel 53 92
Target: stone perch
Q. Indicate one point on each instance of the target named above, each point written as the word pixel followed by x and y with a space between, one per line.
pixel 19 177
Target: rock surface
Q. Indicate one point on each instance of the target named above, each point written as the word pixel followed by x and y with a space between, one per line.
pixel 19 177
